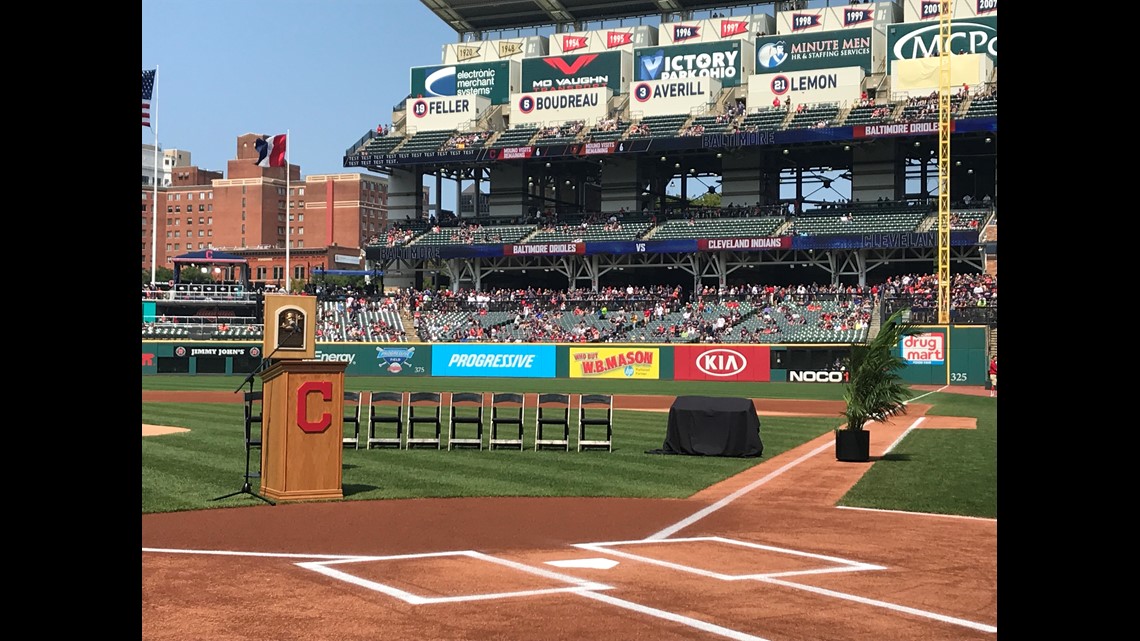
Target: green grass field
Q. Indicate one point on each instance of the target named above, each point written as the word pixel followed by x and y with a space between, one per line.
pixel 940 471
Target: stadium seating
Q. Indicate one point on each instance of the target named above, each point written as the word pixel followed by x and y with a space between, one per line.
pixel 383 144
pixel 661 126
pixel 766 119
pixel 865 115
pixel 981 107
pixel 426 141
pixel 597 135
pixel 486 234
pixel 711 126
pixel 862 220
pixel 718 228
pixel 592 232
pixel 813 115
pixel 516 137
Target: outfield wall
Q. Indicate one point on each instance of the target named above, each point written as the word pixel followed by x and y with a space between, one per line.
pixel 938 355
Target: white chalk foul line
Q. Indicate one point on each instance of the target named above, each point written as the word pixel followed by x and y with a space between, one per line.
pixel 686 522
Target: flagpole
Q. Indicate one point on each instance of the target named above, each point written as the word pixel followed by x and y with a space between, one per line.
pixel 154 200
pixel 288 274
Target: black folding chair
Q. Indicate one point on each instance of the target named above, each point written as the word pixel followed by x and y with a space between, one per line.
pixel 466 409
pixel 385 410
pixel 553 411
pixel 352 420
pixel 595 411
pixel 507 410
pixel 424 409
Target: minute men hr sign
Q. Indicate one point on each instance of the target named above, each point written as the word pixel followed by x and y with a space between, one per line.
pixel 444 112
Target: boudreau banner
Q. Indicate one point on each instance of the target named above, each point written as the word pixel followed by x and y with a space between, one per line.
pixel 551 107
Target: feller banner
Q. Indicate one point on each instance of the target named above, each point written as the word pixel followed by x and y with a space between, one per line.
pixel 610 362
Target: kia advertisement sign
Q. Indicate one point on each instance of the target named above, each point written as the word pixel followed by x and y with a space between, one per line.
pixel 748 363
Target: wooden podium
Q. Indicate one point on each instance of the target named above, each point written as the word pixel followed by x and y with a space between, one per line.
pixel 302 421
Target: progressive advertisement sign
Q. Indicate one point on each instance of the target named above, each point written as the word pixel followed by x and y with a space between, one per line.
pixel 920 40
pixel 748 363
pixel 811 51
pixel 604 40
pixel 680 96
pixel 831 85
pixel 449 112
pixel 727 61
pixel 577 104
pixel 576 71
pixel 615 362
pixel 491 50
pixel 492 80
pixel 498 361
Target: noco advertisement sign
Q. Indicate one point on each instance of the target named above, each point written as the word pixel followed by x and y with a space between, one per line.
pixel 492 80
pixel 920 40
pixel 553 73
pixel 721 363
pixel 728 61
pixel 820 50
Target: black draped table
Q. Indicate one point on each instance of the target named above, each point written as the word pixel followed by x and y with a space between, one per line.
pixel 712 426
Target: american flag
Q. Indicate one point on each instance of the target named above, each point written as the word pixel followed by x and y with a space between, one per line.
pixel 147 92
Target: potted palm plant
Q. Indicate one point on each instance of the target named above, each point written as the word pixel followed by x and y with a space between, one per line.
pixel 874 389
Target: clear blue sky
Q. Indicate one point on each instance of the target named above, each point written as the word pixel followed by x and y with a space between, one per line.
pixel 326 71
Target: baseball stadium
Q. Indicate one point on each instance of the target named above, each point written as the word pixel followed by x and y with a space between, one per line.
pixel 709 351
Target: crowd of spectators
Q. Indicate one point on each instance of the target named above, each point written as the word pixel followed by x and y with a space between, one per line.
pixel 467 139
pixel 660 313
pixel 921 290
pixel 394 236
pixel 638 129
pixel 692 130
pixel 608 124
pixel 566 130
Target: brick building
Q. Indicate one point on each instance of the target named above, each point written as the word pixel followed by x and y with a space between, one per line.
pixel 330 215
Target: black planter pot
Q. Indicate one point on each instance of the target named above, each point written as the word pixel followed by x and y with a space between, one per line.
pixel 853 445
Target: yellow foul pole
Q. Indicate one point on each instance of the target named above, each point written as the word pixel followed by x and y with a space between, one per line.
pixel 944 18
pixel 944 121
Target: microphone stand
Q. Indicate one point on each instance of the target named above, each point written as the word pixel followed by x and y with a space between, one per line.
pixel 246 488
